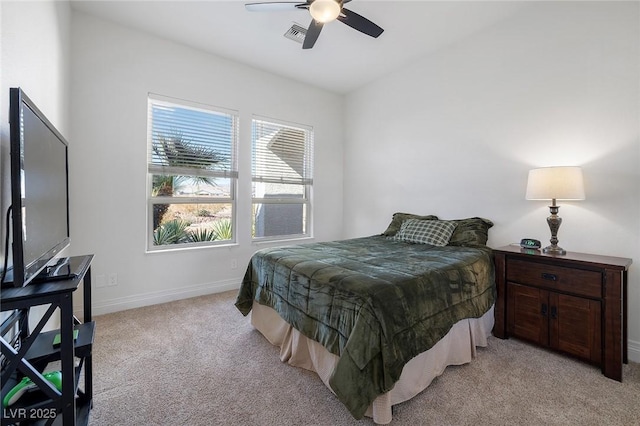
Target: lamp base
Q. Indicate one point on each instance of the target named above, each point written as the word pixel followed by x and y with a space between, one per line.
pixel 554 222
pixel 554 249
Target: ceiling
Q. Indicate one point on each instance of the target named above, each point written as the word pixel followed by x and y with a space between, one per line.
pixel 342 60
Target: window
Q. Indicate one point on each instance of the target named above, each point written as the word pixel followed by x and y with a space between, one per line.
pixel 192 174
pixel 282 178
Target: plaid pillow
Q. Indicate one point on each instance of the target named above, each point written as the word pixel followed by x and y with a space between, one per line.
pixel 434 232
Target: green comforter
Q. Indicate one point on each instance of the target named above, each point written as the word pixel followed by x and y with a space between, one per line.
pixel 375 302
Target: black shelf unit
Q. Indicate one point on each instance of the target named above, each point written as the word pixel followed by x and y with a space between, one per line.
pixel 48 406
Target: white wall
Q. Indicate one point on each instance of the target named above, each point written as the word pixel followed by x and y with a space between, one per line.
pixel 456 133
pixel 113 70
pixel 34 55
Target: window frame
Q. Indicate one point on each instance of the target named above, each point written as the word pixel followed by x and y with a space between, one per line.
pixel 151 170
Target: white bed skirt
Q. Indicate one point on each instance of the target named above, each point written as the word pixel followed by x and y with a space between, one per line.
pixel 456 348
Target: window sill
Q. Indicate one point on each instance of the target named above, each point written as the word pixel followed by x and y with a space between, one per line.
pixel 181 249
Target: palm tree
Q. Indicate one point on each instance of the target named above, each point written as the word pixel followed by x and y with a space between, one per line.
pixel 175 150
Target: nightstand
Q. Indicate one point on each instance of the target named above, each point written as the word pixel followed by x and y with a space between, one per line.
pixel 575 304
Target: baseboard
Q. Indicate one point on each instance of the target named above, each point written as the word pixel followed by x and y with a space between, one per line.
pixel 147 299
pixel 633 351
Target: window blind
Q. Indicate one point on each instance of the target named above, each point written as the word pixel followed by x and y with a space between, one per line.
pixel 191 140
pixel 281 153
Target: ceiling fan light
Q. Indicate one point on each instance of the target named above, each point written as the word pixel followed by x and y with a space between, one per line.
pixel 324 10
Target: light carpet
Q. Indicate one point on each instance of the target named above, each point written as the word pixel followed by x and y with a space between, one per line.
pixel 199 362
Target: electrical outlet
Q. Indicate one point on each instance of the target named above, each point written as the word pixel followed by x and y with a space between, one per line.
pixel 234 263
pixel 101 281
pixel 112 280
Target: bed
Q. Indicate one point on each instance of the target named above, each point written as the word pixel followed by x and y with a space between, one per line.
pixel 377 317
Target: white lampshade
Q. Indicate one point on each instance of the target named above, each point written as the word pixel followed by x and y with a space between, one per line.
pixel 324 10
pixel 555 183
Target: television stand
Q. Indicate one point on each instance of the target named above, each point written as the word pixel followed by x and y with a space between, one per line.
pixel 70 405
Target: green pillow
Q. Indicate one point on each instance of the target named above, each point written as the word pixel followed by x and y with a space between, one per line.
pixel 434 232
pixel 473 231
pixel 398 218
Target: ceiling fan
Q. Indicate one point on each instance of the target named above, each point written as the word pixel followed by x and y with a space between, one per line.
pixel 322 11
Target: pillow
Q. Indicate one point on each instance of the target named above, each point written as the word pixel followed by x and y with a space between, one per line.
pixel 398 218
pixel 434 232
pixel 473 231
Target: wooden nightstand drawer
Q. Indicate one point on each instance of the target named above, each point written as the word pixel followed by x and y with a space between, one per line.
pixel 575 281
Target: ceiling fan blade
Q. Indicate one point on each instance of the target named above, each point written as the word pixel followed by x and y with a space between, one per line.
pixel 275 6
pixel 312 34
pixel 359 23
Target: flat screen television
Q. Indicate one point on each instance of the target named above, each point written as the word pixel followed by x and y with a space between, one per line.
pixel 39 194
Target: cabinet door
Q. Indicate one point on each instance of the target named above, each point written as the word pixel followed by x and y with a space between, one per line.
pixel 575 326
pixel 527 313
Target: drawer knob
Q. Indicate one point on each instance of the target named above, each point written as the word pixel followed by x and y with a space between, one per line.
pixel 550 277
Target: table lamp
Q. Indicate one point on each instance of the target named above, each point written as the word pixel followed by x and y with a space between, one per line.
pixel 555 183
